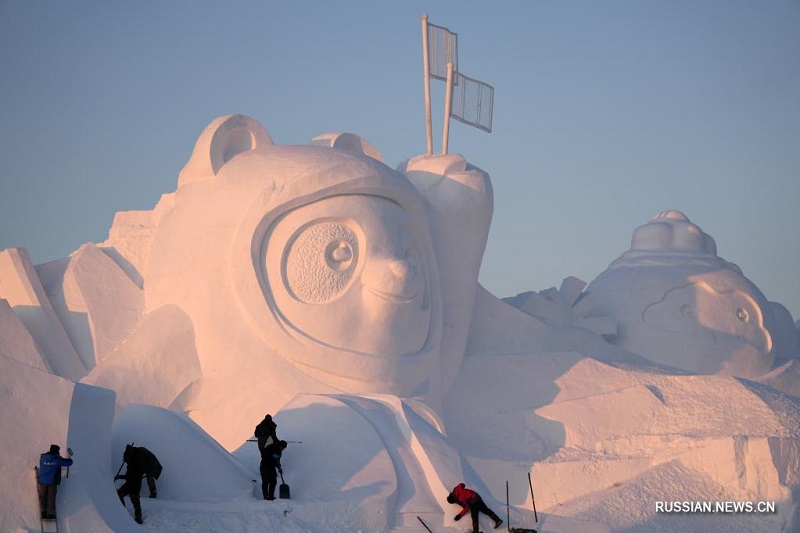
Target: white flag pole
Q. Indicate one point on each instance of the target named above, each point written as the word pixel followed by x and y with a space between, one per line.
pixel 427 73
pixel 448 107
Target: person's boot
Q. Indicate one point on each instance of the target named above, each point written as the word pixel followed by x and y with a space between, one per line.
pixel 137 508
pixel 498 523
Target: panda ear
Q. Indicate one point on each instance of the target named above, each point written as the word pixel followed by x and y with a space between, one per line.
pixel 348 141
pixel 222 140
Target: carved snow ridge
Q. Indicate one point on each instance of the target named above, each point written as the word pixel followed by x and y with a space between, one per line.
pixel 569 306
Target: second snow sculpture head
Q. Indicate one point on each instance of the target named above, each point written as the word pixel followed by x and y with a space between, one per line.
pixel 319 255
pixel 679 304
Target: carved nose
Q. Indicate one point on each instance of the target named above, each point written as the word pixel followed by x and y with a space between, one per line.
pixel 400 269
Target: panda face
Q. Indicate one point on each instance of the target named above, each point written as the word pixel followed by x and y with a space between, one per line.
pixel 349 272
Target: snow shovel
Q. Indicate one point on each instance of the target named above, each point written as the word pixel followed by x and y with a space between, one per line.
pixel 283 489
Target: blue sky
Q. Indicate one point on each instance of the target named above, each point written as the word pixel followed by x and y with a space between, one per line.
pixel 605 114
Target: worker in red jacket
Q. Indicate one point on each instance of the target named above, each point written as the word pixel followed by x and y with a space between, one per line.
pixel 471 501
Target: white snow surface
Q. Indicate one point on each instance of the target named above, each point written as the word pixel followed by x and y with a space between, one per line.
pixel 669 378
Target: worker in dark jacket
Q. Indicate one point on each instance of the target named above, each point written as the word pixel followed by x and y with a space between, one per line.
pixel 270 462
pixel 141 462
pixel 471 502
pixel 50 465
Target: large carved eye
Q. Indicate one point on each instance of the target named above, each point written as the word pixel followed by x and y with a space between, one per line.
pixel 742 314
pixel 319 262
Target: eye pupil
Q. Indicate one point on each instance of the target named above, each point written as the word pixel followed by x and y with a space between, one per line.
pixel 742 315
pixel 339 255
pixel 342 252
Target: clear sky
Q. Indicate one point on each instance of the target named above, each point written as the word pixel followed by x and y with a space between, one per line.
pixel 605 113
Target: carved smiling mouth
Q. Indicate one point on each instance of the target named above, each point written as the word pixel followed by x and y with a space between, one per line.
pixel 395 298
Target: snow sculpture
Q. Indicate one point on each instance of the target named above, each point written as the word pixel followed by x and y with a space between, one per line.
pixel 313 269
pixel 679 304
pixel 274 270
pixel 316 283
pixel 329 259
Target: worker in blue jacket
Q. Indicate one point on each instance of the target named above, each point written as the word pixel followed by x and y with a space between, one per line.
pixel 50 464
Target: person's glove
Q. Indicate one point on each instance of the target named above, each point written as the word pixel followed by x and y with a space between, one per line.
pixel 280 470
pixel 457 517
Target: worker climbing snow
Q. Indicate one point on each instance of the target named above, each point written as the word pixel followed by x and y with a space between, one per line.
pixel 471 502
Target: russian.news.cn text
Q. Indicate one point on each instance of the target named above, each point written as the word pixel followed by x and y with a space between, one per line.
pixel 700 507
